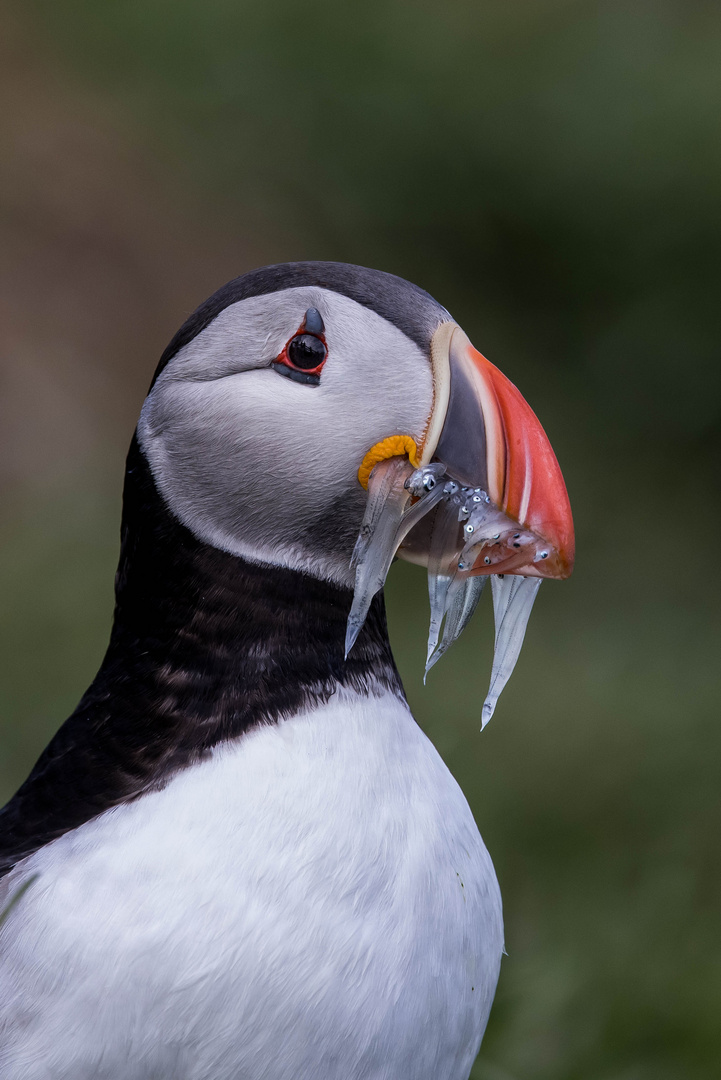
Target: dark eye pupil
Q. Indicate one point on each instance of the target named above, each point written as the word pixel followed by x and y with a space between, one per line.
pixel 306 352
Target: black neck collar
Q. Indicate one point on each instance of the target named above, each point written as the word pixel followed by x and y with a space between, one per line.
pixel 204 646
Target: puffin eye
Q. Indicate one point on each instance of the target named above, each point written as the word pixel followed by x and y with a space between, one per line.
pixel 306 352
pixel 303 357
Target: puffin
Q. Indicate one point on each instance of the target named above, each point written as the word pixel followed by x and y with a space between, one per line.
pixel 240 858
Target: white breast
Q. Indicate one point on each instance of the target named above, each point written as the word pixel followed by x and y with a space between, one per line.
pixel 313 902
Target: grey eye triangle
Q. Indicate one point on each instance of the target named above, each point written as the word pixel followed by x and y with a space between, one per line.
pixel 313 323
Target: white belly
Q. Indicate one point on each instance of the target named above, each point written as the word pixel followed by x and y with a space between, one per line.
pixel 314 902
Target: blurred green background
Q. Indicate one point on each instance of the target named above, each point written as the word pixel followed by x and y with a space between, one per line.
pixel 551 171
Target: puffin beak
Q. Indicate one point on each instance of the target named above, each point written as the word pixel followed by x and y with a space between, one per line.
pixel 488 437
pixel 483 498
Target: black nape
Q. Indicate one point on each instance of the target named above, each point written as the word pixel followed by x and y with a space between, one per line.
pixel 204 646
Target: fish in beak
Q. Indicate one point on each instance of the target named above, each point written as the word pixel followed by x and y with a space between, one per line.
pixel 483 496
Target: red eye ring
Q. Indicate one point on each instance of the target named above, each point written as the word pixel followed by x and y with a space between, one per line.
pixel 302 350
pixel 305 353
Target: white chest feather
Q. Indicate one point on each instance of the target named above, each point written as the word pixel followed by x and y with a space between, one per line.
pixel 314 902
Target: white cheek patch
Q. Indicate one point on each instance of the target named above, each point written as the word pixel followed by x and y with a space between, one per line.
pixel 262 466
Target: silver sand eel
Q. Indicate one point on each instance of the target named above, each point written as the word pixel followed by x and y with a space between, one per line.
pixel 466 527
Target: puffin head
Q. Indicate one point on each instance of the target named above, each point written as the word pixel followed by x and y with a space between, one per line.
pixel 325 417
